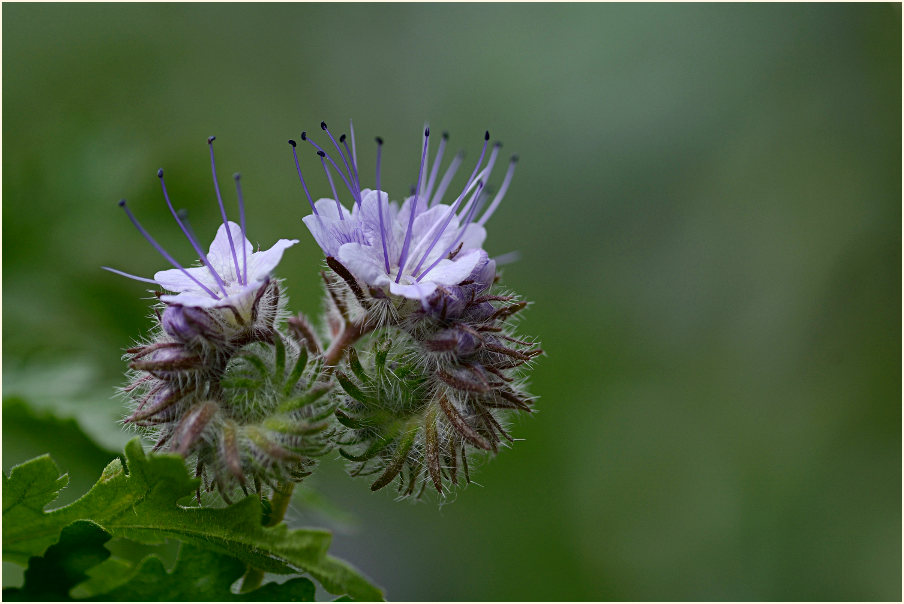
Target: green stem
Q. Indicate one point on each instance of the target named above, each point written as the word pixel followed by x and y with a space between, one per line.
pixel 279 502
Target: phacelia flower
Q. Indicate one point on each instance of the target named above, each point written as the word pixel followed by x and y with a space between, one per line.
pixel 232 276
pixel 218 381
pixel 413 249
pixel 445 370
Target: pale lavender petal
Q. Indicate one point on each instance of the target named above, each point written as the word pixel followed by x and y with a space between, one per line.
pixel 363 261
pixel 474 237
pixel 453 272
pixel 326 207
pixel 321 229
pixel 427 225
pixel 415 291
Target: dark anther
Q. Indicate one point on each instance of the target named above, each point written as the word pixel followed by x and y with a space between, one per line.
pixel 486 135
pixel 321 154
pixel 210 139
pixel 323 125
pixel 497 144
pixel 427 131
pixel 291 142
pixel 446 135
pixel 342 139
pixel 379 140
pixel 122 203
pixel 160 173
pixel 514 159
pixel 304 135
pixel 236 176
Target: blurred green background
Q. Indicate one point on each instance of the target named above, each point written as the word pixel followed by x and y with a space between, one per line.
pixel 708 208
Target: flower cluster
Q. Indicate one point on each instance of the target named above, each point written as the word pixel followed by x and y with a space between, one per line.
pixel 217 380
pixel 416 273
pixel 422 370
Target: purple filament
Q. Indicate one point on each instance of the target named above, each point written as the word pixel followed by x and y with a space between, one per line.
pixel 380 205
pixel 421 186
pixel 439 158
pixel 162 251
pixel 332 186
pixel 238 191
pixel 502 190
pixel 447 177
pixel 300 177
pixel 348 169
pixel 216 184
pixel 486 139
pixel 130 276
pixel 445 224
pixel 403 257
pixel 484 175
pixel 354 167
pixel 461 233
pixel 188 234
pixel 351 131
pixel 304 137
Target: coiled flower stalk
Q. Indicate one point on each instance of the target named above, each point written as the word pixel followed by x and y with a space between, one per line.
pixel 417 408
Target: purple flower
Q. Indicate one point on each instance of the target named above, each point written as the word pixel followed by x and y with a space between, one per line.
pixel 414 249
pixel 231 272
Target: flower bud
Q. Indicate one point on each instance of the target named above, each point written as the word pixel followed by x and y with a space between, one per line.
pixel 185 323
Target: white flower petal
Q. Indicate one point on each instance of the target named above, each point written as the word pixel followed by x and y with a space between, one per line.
pixel 260 264
pixel 220 254
pixel 175 280
pixel 192 299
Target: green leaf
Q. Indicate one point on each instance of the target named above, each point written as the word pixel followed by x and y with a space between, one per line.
pixel 141 505
pixel 202 575
pixel 29 432
pixel 49 578
pixel 199 574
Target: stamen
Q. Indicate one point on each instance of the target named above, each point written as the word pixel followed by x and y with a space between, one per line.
pixel 380 205
pixel 344 160
pixel 332 186
pixel 351 130
pixel 300 177
pixel 162 251
pixel 216 184
pixel 498 199
pixel 130 276
pixel 461 233
pixel 447 178
pixel 238 191
pixel 304 137
pixel 422 185
pixel 354 166
pixel 404 255
pixel 484 175
pixel 486 139
pixel 183 216
pixel 436 163
pixel 189 235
